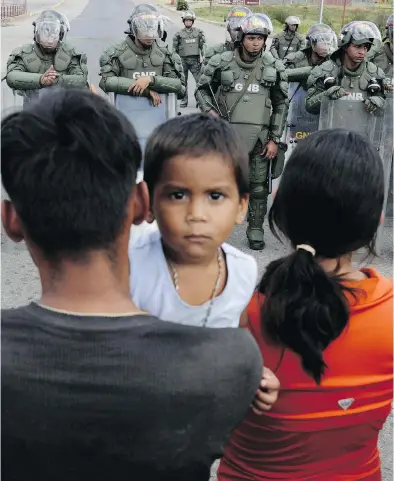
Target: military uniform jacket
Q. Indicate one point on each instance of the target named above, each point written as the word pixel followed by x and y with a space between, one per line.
pixel 383 58
pixel 189 42
pixel 217 48
pixel 299 66
pixel 123 63
pixel 286 42
pixel 28 63
pixel 355 82
pixel 252 96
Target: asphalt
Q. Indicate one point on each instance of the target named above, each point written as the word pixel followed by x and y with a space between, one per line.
pixel 94 25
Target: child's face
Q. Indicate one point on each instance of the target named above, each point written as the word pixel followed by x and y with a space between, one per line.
pixel 196 204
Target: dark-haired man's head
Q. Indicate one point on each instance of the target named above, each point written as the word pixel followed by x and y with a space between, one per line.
pixel 197 172
pixel 69 166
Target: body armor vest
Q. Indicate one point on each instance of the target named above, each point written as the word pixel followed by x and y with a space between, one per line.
pixel 37 61
pixel 135 64
pixel 288 43
pixel 247 108
pixel 189 43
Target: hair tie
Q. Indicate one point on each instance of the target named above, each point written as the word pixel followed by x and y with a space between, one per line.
pixel 308 248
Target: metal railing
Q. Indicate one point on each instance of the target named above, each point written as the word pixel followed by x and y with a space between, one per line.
pixel 13 8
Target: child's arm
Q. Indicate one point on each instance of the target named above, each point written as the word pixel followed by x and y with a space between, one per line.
pixel 267 394
pixel 244 320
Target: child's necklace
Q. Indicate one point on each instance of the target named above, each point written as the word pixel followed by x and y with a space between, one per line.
pixel 215 289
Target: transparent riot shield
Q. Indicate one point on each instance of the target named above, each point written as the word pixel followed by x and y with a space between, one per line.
pixel 143 115
pixel 300 123
pixel 349 113
pixel 145 118
pixel 386 154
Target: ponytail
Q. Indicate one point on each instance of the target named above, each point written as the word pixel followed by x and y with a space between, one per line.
pixel 304 309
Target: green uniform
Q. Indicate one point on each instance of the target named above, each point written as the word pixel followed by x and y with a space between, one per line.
pixel 28 63
pixel 382 56
pixel 299 66
pixel 286 42
pixel 253 98
pixel 123 63
pixel 188 43
pixel 217 49
pixel 355 82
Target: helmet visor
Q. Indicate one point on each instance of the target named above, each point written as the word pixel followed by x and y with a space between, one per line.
pixel 48 33
pixel 323 44
pixel 147 27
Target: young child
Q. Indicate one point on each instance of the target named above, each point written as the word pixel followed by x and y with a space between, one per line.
pixel 196 169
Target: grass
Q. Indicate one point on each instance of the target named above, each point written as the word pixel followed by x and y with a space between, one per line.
pixel 309 14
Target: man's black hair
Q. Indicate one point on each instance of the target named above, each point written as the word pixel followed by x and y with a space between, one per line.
pixel 195 135
pixel 69 164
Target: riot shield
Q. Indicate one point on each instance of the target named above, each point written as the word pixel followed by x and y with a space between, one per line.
pixel 386 154
pixel 143 115
pixel 349 113
pixel 299 123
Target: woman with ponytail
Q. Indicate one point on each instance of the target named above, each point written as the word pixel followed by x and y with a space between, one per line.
pixel 324 326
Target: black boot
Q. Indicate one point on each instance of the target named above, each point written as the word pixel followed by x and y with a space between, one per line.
pixel 255 231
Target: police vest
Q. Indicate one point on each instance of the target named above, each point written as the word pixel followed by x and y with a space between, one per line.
pixel 37 62
pixel 134 65
pixel 189 42
pixel 357 82
pixel 288 44
pixel 244 98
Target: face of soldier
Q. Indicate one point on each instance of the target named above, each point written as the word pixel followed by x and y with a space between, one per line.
pixel 292 28
pixel 48 34
pixel 253 44
pixel 188 23
pixel 357 53
pixel 196 204
pixel 145 43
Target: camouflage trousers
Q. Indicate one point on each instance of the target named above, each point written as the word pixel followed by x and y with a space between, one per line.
pixel 193 65
pixel 258 179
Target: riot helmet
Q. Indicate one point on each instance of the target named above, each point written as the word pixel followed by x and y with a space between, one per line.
pixel 389 28
pixel 50 28
pixel 254 24
pixel 147 27
pixel 234 16
pixel 143 8
pixel 322 39
pixel 188 16
pixel 358 33
pixel 292 23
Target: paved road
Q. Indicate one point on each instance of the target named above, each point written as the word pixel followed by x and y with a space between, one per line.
pixel 94 25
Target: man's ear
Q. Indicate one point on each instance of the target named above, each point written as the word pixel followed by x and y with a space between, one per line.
pixel 11 222
pixel 140 203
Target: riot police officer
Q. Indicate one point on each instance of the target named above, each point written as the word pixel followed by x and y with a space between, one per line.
pixel 289 40
pixel 189 43
pixel 248 87
pixel 141 64
pixel 347 73
pixel 233 19
pixel 49 60
pixel 382 56
pixel 321 42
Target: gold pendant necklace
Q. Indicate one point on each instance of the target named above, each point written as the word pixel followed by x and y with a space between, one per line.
pixel 214 291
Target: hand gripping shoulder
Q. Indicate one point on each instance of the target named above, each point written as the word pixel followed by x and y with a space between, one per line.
pixel 316 73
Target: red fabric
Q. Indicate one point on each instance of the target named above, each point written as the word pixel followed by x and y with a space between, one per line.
pixel 307 435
